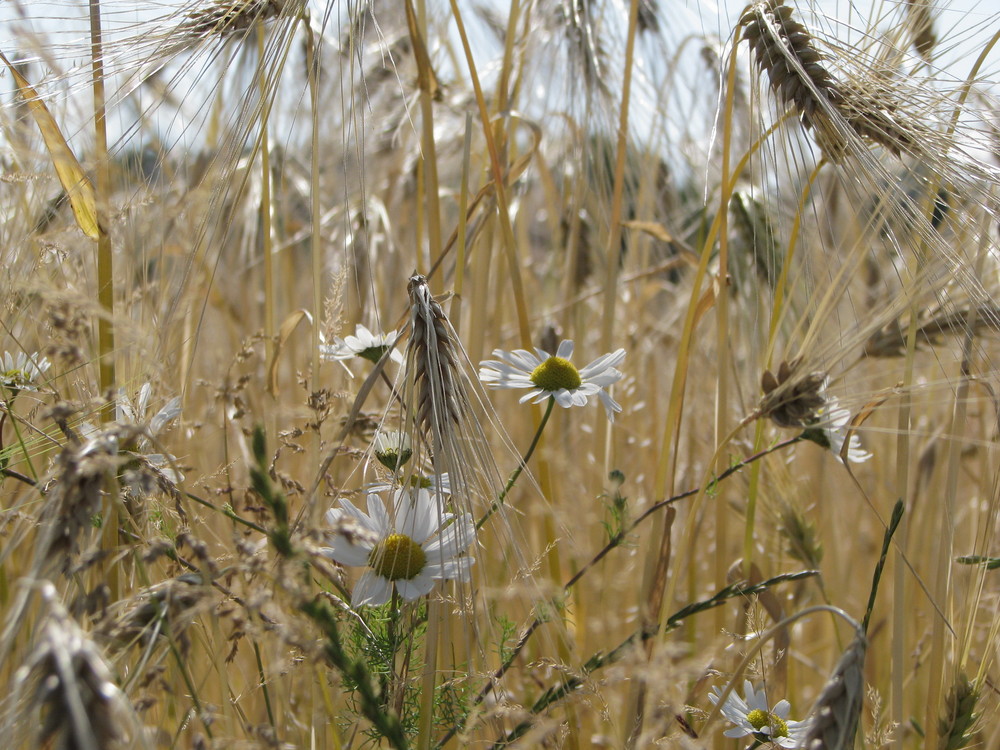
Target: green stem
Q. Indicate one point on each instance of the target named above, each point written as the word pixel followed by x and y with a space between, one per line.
pixel 263 687
pixel 520 468
pixel 227 512
pixel 383 720
pixel 20 440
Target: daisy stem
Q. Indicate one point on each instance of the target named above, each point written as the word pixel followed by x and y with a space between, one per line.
pixel 521 466
pixel 20 440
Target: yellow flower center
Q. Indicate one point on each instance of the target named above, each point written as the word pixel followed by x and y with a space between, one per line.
pixel 760 719
pixel 556 373
pixel 419 481
pixel 397 558
pixel 14 377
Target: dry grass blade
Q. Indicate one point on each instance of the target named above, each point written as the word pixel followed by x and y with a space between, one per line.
pixel 78 188
pixel 834 718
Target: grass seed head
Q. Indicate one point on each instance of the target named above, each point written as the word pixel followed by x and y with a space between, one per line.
pixel 431 354
pixel 957 724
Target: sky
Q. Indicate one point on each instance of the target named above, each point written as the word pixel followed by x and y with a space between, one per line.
pixel 964 28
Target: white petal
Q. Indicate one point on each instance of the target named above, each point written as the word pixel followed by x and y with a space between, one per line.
pixel 380 521
pixel 756 699
pixel 416 587
pixel 452 541
pixel 345 553
pixel 604 379
pixel 565 349
pixel 606 362
pixel 458 569
pixel 536 396
pixel 350 511
pixel 371 590
pixel 564 398
pixel 610 405
pixel 521 359
pixel 142 402
pixel 415 514
pixel 164 415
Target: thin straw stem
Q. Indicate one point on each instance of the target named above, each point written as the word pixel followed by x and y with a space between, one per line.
pixel 105 260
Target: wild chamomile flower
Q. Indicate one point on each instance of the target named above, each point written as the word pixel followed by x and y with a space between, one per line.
pixel 409 550
pixel 753 717
pixel 831 432
pixel 364 344
pixel 128 413
pixel 392 448
pixel 133 414
pixel 555 376
pixel 23 372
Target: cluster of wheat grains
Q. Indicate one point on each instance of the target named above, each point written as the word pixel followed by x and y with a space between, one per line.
pixel 784 213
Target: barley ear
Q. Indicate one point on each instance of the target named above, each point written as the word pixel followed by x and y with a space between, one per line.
pixel 834 718
pixel 431 355
pixel 956 727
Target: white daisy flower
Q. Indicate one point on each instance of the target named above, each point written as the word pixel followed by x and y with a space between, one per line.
pixel 23 372
pixel 555 376
pixel 363 344
pixel 133 414
pixel 127 413
pixel 831 431
pixel 392 448
pixel 753 717
pixel 419 545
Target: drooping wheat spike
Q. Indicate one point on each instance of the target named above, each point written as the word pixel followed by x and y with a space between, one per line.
pixel 167 607
pixel 225 17
pixel 834 719
pixel 784 48
pixel 74 496
pixel 801 535
pixel 431 354
pixel 921 27
pixel 956 727
pixel 66 680
pixel 792 398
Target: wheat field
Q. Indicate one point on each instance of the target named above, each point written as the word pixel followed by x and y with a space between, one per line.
pixel 558 373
